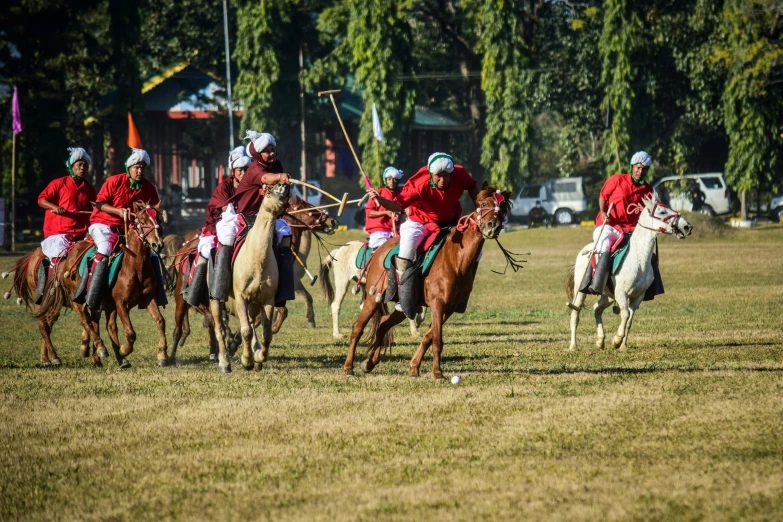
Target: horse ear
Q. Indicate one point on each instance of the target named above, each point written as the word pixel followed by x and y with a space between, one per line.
pixel 485 185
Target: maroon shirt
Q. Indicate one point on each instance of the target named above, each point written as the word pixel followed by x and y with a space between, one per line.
pixel 247 197
pixel 220 199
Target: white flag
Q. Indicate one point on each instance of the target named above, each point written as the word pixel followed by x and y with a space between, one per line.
pixel 376 125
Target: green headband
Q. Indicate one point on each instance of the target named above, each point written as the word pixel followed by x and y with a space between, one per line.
pixel 437 157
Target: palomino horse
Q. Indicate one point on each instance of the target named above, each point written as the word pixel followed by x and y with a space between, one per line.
pixel 302 224
pixel 24 284
pixel 635 275
pixel 254 284
pixel 136 286
pixel 447 285
pixel 343 262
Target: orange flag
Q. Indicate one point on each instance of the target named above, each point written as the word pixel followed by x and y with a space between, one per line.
pixel 134 141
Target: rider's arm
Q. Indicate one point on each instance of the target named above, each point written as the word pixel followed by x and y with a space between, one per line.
pixel 49 193
pixel 105 207
pixel 387 203
pixel 602 206
pixel 274 179
pixel 380 213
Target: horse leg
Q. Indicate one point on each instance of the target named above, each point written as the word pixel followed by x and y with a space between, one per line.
pixel 282 314
pixel 634 306
pixel 43 326
pixel 224 363
pixel 387 323
pixel 246 328
pixel 415 363
pixel 598 310
pixel 438 318
pixel 84 344
pixel 130 336
pixel 622 303
pixel 356 332
pixel 341 286
pixel 92 327
pixel 178 335
pixel 580 299
pixel 308 299
pixel 261 356
pixel 160 322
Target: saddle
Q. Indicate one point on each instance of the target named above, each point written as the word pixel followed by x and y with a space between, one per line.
pixel 619 251
pixel 84 271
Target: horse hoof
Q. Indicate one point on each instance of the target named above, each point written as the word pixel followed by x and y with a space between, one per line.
pixel 172 361
pixel 162 363
pixel 311 323
pixel 616 310
pixel 413 372
pixel 348 372
pixel 46 364
pixel 98 364
pixel 213 357
pixel 56 362
pixel 124 365
pixel 84 352
pixel 103 353
pixel 366 367
pixel 438 376
pixel 225 369
pixel 258 366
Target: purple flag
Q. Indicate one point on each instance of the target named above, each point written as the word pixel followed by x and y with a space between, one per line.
pixel 17 116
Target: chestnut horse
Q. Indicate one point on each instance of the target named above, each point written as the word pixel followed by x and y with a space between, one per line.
pixel 301 223
pixel 447 285
pixel 26 273
pixel 136 286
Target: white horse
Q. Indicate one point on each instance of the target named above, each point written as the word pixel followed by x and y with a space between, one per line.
pixel 635 275
pixel 343 262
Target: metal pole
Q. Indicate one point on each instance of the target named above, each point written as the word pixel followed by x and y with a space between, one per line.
pixel 13 195
pixel 228 78
pixel 302 126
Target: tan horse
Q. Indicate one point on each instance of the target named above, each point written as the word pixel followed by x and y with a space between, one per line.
pixel 255 276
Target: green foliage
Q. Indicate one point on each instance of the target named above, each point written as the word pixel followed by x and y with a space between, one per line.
pixel 507 86
pixel 380 38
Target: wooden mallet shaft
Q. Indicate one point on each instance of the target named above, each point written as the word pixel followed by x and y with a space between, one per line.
pixel 313 278
pixel 328 205
pixel 342 205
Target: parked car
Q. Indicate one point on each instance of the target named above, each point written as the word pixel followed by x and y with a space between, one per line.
pixel 776 209
pixel 706 193
pixel 563 200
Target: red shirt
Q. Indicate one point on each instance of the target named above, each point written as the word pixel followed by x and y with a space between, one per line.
pixel 220 199
pixel 116 192
pixel 247 197
pixel 65 193
pixel 622 191
pixel 383 223
pixel 427 204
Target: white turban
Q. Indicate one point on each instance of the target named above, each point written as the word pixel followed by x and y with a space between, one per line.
pixel 641 157
pixel 137 156
pixel 259 140
pixel 440 162
pixel 392 172
pixel 77 153
pixel 237 159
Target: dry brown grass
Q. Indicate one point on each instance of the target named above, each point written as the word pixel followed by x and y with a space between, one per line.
pixel 684 426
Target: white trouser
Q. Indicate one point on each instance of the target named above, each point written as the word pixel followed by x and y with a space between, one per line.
pixel 55 246
pixel 228 226
pixel 282 229
pixel 206 244
pixel 412 234
pixel 104 238
pixel 609 236
pixel 379 238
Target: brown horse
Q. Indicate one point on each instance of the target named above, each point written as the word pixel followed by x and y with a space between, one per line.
pixel 448 283
pixel 302 224
pixel 136 286
pixel 25 282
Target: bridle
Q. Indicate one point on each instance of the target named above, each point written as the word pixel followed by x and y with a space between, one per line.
pixel 319 222
pixel 672 220
pixel 475 222
pixel 143 230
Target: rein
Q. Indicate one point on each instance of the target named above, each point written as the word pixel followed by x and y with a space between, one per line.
pixel 670 220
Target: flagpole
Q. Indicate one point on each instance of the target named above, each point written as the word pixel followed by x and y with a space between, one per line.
pixel 378 163
pixel 228 79
pixel 13 195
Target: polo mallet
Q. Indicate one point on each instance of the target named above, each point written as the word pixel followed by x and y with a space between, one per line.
pixel 125 222
pixel 345 133
pixel 323 206
pixel 571 305
pixel 313 278
pixel 340 202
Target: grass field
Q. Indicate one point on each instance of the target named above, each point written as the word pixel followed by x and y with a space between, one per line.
pixel 687 425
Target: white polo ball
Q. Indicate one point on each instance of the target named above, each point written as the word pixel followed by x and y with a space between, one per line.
pixel 456 379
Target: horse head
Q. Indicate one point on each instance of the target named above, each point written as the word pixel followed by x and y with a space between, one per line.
pixel 660 218
pixel 276 198
pixel 314 219
pixel 146 225
pixel 492 209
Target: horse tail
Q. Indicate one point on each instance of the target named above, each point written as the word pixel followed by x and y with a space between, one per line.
pixel 372 331
pixel 19 283
pixel 570 281
pixel 323 276
pixel 54 298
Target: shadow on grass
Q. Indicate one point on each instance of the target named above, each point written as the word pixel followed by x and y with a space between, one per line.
pixel 619 370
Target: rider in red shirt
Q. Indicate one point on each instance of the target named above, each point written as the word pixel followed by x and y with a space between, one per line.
pixel 431 198
pixel 380 222
pixel 626 191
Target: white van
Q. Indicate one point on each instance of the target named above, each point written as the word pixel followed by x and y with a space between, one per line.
pixel 674 191
pixel 563 199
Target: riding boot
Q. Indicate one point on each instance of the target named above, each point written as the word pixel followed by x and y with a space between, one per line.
pixel 285 268
pixel 602 269
pixel 98 282
pixel 196 294
pixel 408 289
pixel 41 280
pixel 391 287
pixel 160 283
pixel 221 281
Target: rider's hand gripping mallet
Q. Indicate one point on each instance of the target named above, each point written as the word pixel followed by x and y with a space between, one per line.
pixel 345 133
pixel 313 278
pixel 571 305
